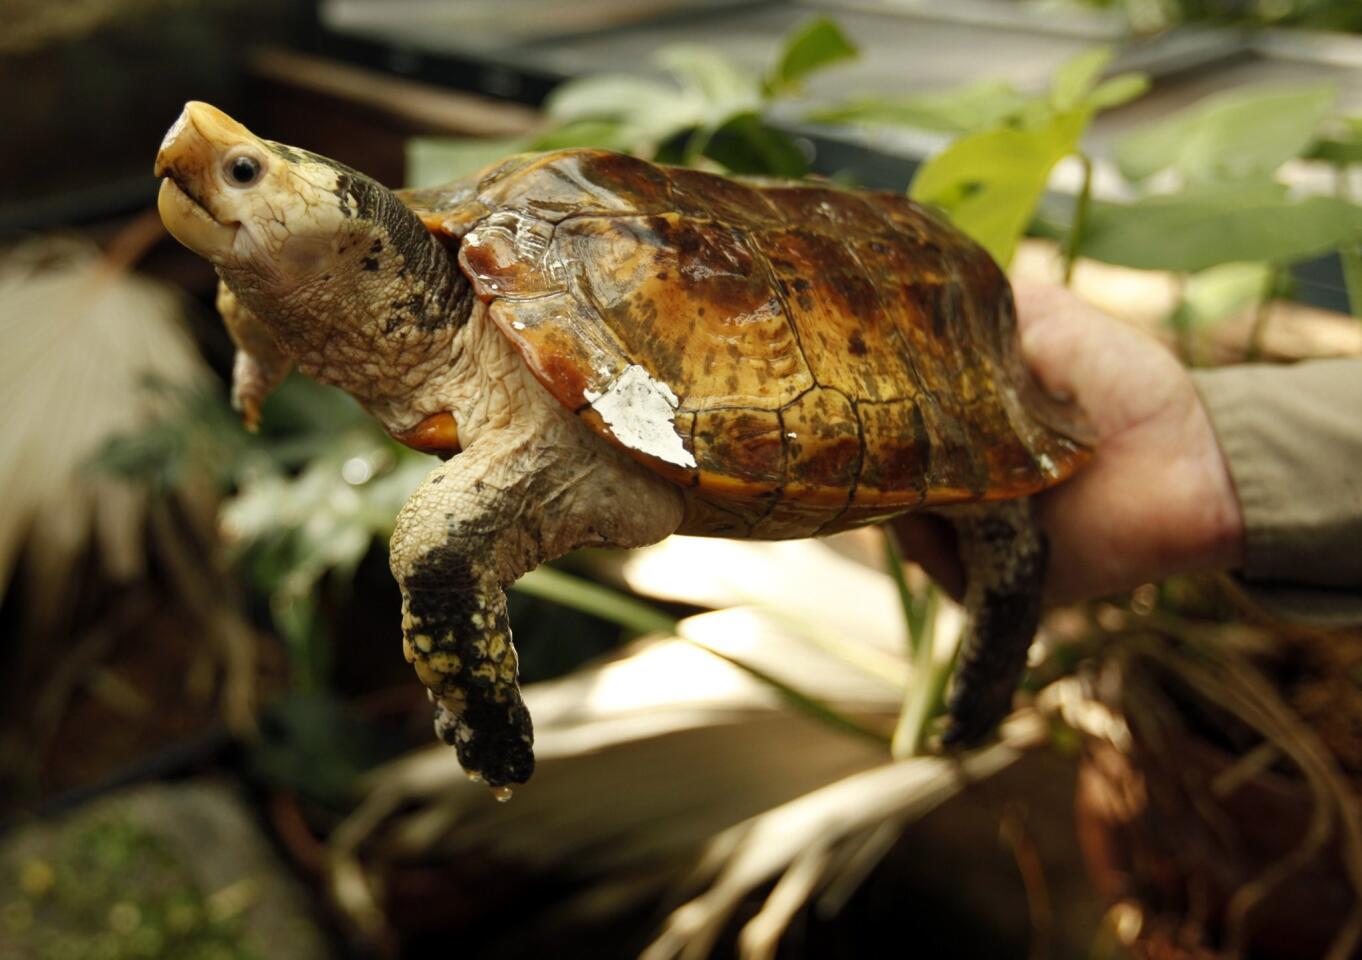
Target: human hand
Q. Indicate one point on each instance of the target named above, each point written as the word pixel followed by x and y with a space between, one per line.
pixel 1156 499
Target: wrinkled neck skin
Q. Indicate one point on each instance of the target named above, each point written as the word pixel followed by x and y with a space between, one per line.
pixel 381 317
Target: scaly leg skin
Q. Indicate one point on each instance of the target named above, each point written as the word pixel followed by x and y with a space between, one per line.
pixel 1004 553
pixel 496 510
pixel 260 365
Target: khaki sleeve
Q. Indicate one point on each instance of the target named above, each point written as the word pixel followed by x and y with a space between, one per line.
pixel 1292 436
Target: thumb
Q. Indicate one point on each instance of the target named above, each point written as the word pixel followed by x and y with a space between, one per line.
pixel 1115 373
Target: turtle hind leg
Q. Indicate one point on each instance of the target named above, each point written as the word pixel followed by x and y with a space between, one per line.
pixel 1004 553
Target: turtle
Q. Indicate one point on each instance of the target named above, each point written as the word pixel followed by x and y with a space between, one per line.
pixel 604 351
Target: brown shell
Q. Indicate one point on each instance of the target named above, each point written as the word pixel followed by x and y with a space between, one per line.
pixel 826 358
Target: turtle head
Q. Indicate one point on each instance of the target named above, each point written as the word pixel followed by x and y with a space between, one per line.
pixel 248 204
pixel 332 263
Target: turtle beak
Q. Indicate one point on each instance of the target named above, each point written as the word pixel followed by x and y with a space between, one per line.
pixel 188 160
pixel 196 139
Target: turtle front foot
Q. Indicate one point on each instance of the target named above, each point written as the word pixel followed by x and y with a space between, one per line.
pixel 450 556
pixel 459 640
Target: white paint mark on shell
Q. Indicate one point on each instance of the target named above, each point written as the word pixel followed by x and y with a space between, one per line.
pixel 641 413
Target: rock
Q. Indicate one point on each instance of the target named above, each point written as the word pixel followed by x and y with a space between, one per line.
pixel 159 870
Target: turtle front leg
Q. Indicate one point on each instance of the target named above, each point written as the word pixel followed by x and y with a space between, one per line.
pixel 260 365
pixel 473 527
pixel 1004 552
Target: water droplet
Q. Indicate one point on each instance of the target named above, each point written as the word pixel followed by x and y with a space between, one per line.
pixel 502 794
pixel 357 470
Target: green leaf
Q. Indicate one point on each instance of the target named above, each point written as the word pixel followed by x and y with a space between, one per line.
pixel 1120 89
pixel 746 145
pixel 614 96
pixel 1202 228
pixel 989 183
pixel 801 701
pixel 435 160
pixel 965 109
pixel 1242 133
pixel 1338 152
pixel 1074 79
pixel 1342 144
pixel 722 87
pixel 644 112
pixel 606 134
pixel 812 46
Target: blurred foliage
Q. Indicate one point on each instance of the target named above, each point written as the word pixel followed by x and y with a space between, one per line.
pixel 991 178
pixel 294 513
pixel 1203 226
pixel 1243 133
pixel 1211 193
pixel 977 105
pixel 924 695
pixel 710 112
pixel 989 181
pixel 1149 16
pixel 1207 190
pixel 315 745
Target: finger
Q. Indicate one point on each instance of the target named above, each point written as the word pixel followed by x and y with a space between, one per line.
pixel 1078 352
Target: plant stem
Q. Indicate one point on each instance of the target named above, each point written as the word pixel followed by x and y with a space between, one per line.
pixel 579 594
pixel 919 705
pixel 926 677
pixel 926 683
pixel 1182 334
pixel 1262 314
pixel 1350 256
pixel 1080 220
pixel 797 698
pixel 893 561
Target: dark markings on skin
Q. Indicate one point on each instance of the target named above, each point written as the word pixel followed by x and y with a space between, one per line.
pixel 293 155
pixel 1005 554
pixel 445 296
pixel 492 734
pixel 856 344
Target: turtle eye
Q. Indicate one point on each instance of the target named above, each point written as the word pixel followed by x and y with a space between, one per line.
pixel 242 170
